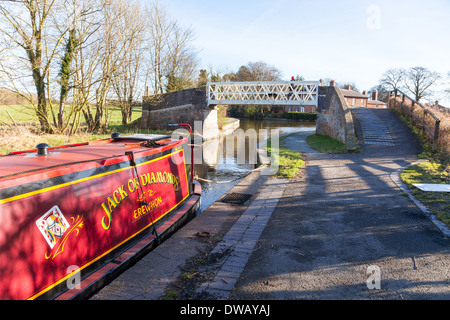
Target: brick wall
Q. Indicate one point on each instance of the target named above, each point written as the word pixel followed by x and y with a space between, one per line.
pixel 357 102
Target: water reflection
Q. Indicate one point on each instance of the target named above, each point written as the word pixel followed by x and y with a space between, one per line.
pixel 217 166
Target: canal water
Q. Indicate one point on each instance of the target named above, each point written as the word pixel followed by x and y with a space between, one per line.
pixel 221 163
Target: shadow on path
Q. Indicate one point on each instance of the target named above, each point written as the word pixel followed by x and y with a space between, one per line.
pixel 343 215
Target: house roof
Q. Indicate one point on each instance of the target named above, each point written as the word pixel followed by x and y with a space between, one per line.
pixel 375 102
pixel 353 94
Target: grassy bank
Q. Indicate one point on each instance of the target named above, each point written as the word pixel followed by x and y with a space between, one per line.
pixel 443 143
pixel 289 162
pixel 436 169
pixel 18 129
pixel 24 138
pixel 325 144
pixel 430 172
pixel 24 114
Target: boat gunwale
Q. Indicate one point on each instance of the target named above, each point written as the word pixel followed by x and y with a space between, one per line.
pixel 71 167
pixel 126 161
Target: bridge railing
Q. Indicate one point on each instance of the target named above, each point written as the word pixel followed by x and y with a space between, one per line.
pixel 408 107
pixel 300 93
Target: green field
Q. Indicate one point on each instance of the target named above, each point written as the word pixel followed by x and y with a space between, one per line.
pixel 21 114
pixel 17 114
pixel 18 129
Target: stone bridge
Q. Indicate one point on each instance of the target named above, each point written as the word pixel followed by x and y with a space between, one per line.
pixel 184 106
pixel 199 105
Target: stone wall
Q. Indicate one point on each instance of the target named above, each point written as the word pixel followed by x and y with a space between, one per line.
pixel 185 106
pixel 194 96
pixel 334 118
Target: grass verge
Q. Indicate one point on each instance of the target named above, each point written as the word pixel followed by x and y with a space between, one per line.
pixel 24 138
pixel 25 114
pixel 289 162
pixel 325 144
pixel 436 170
pixel 18 129
pixel 430 172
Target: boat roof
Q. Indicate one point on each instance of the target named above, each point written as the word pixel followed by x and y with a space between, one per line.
pixel 29 160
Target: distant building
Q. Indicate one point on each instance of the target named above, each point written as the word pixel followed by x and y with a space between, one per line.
pixel 354 98
pixel 306 109
pixel 375 103
pixel 357 99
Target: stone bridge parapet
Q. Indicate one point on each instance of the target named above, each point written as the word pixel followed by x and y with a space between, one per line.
pixel 334 118
pixel 184 106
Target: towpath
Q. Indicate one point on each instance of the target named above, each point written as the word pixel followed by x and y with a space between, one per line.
pixel 344 230
pixel 341 230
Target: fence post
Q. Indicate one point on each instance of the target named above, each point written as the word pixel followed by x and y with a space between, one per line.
pixel 403 104
pixel 424 119
pixel 436 134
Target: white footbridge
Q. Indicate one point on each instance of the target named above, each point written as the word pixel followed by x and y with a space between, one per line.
pixel 287 93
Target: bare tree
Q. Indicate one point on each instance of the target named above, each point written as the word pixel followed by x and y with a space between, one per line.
pixel 262 71
pixel 344 84
pixel 80 55
pixel 383 94
pixel 392 79
pixel 257 71
pixel 183 62
pixel 131 30
pixel 173 60
pixel 160 29
pixel 90 67
pixel 447 85
pixel 99 61
pixel 419 80
pixel 29 26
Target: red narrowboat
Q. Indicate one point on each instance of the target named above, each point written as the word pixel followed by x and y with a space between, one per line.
pixel 72 217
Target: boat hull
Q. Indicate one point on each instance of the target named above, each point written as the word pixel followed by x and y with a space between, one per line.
pixel 66 223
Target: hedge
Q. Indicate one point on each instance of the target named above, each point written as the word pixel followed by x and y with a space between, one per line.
pixel 301 116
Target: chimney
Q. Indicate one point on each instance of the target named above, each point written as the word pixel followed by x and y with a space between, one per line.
pixel 375 95
pixel 365 93
pixel 332 83
pixel 348 87
pixel 436 103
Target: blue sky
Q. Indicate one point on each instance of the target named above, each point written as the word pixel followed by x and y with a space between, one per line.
pixel 350 40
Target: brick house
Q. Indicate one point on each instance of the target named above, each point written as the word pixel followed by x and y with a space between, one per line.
pixel 354 98
pixel 374 102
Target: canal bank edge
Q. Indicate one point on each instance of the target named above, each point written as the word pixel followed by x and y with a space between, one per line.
pixel 146 280
pixel 192 243
pixel 231 125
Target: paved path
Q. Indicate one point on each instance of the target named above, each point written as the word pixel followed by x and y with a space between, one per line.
pixel 344 230
pixel 375 130
pixel 318 236
pixel 239 242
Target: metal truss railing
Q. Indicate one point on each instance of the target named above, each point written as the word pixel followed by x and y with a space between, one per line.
pixel 300 93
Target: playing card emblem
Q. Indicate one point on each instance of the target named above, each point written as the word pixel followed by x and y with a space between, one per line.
pixel 52 225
